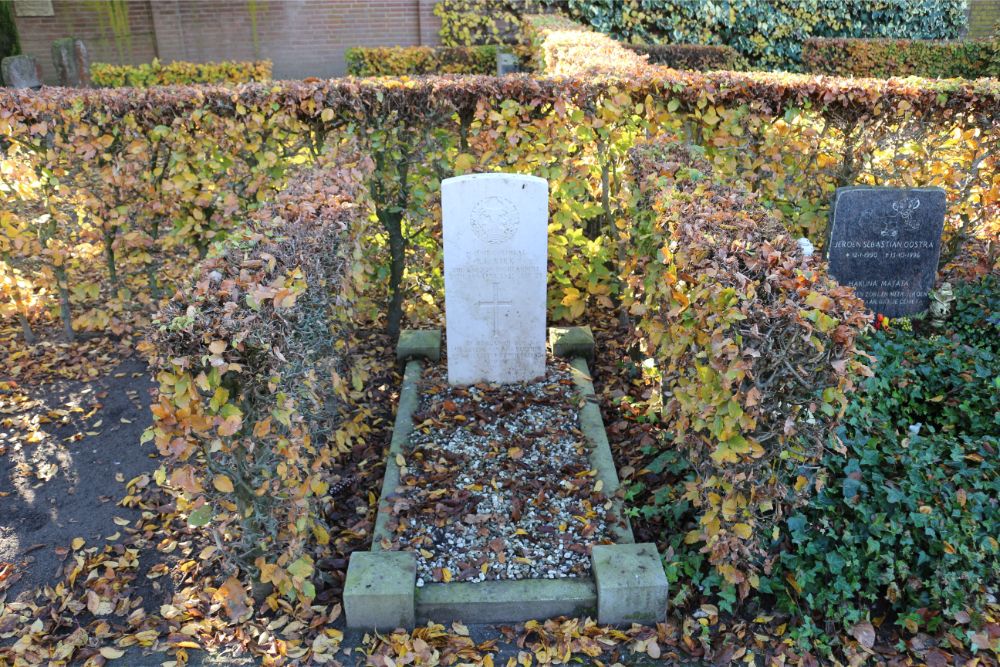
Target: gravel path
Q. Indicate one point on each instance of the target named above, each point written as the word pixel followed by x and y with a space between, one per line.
pixel 497 482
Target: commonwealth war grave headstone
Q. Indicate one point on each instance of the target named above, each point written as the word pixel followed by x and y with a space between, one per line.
pixel 885 242
pixel 495 259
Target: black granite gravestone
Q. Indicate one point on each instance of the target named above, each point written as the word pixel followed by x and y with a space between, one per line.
pixel 885 242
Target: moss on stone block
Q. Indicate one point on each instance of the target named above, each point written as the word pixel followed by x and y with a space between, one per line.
pixel 572 342
pixel 631 584
pixel 419 344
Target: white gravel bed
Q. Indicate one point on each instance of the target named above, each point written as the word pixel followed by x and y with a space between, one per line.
pixel 496 482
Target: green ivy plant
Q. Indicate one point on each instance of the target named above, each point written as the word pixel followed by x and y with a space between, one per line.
pixel 906 516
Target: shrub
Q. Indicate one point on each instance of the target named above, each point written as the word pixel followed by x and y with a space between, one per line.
pixel 976 318
pixel 472 22
pixel 105 75
pixel 807 149
pixel 701 57
pixel 906 513
pixel 560 46
pixel 754 343
pixel 770 33
pixel 252 358
pixel 113 194
pixel 400 60
pixel 902 57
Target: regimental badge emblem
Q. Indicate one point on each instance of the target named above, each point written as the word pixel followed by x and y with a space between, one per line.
pixel 495 219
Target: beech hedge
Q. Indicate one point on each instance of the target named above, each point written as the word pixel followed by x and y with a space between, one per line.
pixel 795 138
pixel 252 356
pixel 755 345
pixel 410 60
pixel 968 59
pixel 113 194
pixel 701 57
pixel 106 75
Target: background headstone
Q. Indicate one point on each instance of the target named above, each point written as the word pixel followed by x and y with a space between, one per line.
pixel 507 63
pixel 21 72
pixel 495 260
pixel 72 62
pixel 885 242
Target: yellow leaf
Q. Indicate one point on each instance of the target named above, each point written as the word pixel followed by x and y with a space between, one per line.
pixel 78 542
pixel 445 575
pixel 819 301
pixel 223 484
pixel 111 653
pixel 465 162
pixel 573 295
pixel 743 530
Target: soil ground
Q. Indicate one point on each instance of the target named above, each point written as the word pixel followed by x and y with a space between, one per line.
pixel 67 485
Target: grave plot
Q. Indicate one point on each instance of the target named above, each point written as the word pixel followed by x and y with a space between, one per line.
pixel 619 582
pixel 497 482
pixel 500 502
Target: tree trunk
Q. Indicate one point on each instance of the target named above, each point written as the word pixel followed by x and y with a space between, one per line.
pixel 109 257
pixel 22 318
pixel 65 310
pixel 393 223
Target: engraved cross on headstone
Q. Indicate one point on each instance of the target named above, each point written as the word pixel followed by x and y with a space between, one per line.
pixel 495 305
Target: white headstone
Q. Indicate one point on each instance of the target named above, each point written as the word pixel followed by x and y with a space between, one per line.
pixel 495 259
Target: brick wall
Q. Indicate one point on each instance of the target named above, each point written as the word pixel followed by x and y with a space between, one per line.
pixel 983 15
pixel 301 37
pixel 72 18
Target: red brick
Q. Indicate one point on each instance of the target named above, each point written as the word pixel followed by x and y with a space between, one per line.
pixel 301 37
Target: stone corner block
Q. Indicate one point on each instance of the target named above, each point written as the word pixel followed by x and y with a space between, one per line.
pixel 631 584
pixel 380 590
pixel 572 341
pixel 419 344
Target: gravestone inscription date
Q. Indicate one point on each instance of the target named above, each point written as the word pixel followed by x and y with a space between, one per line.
pixel 885 243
